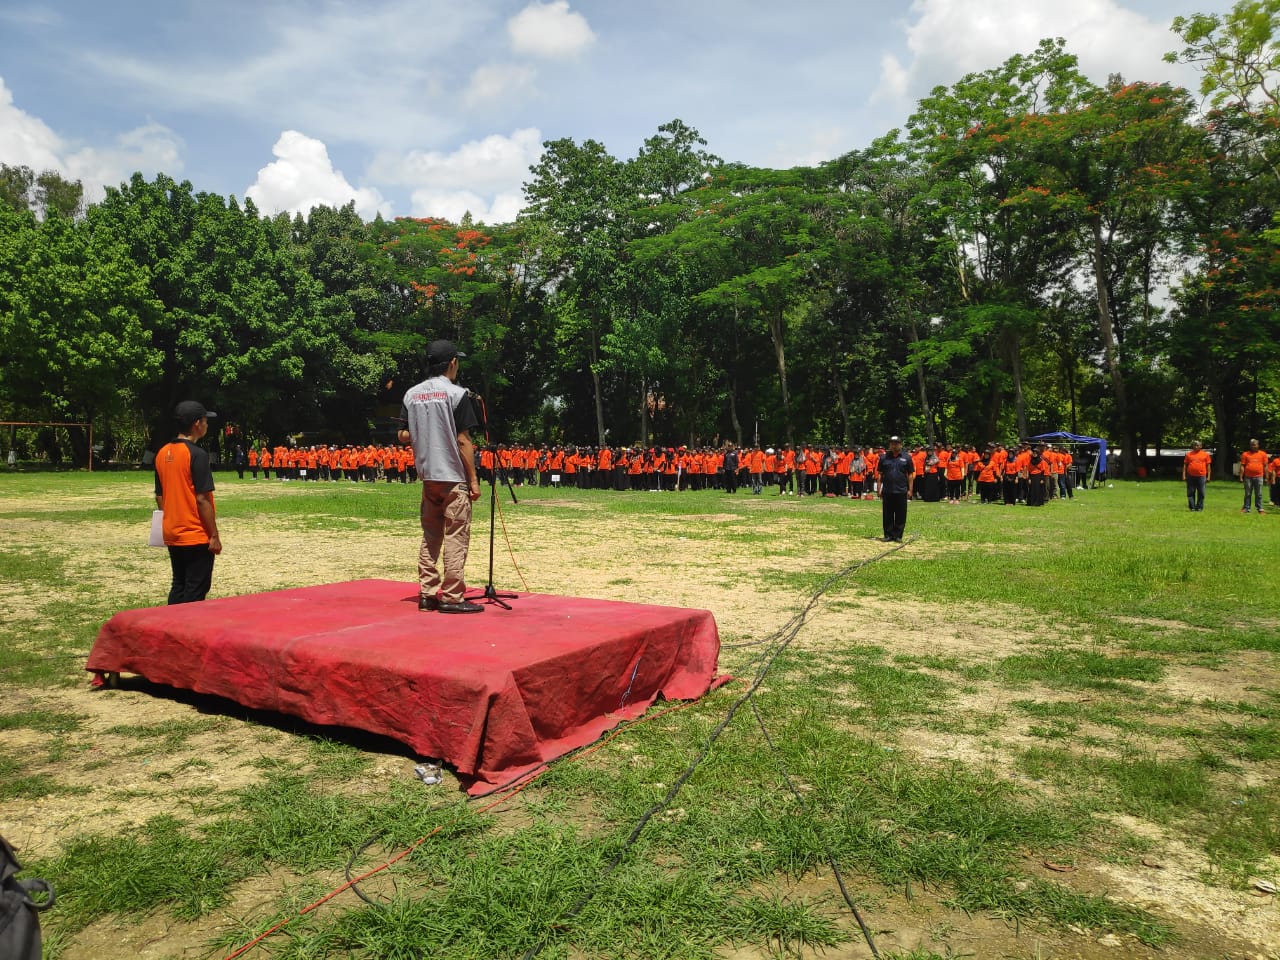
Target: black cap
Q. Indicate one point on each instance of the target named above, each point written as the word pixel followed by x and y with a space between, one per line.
pixel 895 439
pixel 441 352
pixel 189 411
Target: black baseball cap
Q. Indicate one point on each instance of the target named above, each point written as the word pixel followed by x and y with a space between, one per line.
pixel 189 411
pixel 442 351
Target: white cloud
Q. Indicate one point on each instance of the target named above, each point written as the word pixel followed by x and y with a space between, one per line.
pixel 26 140
pixel 302 176
pixel 822 143
pixel 495 162
pixel 549 30
pixel 494 82
pixel 894 80
pixel 148 149
pixel 483 176
pixel 950 38
pixel 453 204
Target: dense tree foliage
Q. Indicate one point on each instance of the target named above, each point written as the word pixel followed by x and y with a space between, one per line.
pixel 1031 252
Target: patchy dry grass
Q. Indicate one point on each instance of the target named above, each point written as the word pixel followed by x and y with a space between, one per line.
pixel 1028 733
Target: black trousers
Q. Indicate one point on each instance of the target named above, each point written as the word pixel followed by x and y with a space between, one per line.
pixel 192 573
pixel 893 511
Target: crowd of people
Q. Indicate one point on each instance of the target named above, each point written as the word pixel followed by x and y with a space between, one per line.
pixel 1024 473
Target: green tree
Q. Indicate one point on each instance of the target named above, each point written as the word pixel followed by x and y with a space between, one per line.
pixel 73 315
pixel 1118 167
pixel 1238 53
pixel 997 257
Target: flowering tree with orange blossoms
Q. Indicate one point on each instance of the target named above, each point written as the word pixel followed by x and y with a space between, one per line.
pixel 463 283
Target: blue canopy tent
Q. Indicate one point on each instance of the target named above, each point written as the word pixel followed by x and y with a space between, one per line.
pixel 1100 462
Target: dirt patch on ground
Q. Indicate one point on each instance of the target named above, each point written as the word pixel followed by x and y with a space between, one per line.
pixel 139 753
pixel 1242 678
pixel 161 937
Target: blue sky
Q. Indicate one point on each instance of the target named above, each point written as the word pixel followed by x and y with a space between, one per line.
pixel 417 107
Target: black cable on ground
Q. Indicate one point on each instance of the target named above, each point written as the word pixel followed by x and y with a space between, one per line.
pixel 826 847
pixel 784 635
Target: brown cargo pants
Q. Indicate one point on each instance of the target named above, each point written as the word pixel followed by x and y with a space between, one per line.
pixel 446 528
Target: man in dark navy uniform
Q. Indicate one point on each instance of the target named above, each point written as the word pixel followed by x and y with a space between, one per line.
pixel 897 478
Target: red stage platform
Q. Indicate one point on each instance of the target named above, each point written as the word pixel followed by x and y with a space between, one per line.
pixel 492 694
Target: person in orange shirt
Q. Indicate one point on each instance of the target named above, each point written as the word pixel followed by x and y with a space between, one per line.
pixel 670 469
pixel 635 469
pixel 606 477
pixel 253 461
pixel 787 471
pixel 812 470
pixel 1253 467
pixel 1195 473
pixel 953 471
pixel 918 459
pixel 844 463
pixel 755 466
pixel 1066 479
pixel 1275 480
pixel 827 479
pixel 184 494
pixel 1037 473
pixel 988 478
pixel 1009 484
pixel 870 486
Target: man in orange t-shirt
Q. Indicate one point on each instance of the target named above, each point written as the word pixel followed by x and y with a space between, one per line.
pixel 184 493
pixel 1195 472
pixel 755 466
pixel 1274 470
pixel 1253 467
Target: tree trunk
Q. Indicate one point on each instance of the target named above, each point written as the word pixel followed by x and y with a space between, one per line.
pixel 1071 389
pixel 780 354
pixel 595 383
pixel 644 411
pixel 844 407
pixel 1111 351
pixel 1014 344
pixel 1222 431
pixel 733 410
pixel 924 394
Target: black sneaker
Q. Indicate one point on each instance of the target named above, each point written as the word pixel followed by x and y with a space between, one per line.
pixel 465 606
pixel 428 604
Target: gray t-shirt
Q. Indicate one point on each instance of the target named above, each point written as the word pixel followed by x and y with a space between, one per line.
pixel 436 411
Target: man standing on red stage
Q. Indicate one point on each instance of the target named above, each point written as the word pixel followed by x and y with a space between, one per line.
pixel 439 416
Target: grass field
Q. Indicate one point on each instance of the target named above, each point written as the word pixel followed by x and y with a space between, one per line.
pixel 1028 733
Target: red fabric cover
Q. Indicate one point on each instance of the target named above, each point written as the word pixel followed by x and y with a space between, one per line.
pixel 493 694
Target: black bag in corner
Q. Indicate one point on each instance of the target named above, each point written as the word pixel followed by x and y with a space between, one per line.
pixel 19 925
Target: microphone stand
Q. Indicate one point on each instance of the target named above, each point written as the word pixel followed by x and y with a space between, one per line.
pixel 491 594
